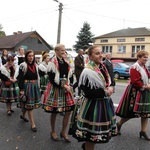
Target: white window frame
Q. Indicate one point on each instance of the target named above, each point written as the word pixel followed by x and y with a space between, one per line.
pixel 121 48
pixel 135 49
pixel 107 49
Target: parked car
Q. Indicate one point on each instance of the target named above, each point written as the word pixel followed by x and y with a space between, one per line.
pixel 121 70
pixel 117 60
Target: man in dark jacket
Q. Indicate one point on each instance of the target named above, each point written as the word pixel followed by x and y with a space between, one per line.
pixel 107 62
pixel 79 66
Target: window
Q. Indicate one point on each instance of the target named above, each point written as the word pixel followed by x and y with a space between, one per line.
pixel 142 47
pixel 104 41
pixel 121 49
pixel 136 48
pixel 39 42
pixel 107 49
pixel 121 40
pixel 116 65
pixel 139 39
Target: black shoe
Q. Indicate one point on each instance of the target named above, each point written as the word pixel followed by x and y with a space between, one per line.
pixel 34 129
pixel 18 105
pixel 119 128
pixel 25 119
pixel 12 111
pixel 62 113
pixel 83 146
pixel 143 134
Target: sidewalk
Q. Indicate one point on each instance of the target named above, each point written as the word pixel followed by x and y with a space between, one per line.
pixel 121 83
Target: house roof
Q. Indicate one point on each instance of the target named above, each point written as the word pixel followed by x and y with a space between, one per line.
pixel 129 32
pixel 12 41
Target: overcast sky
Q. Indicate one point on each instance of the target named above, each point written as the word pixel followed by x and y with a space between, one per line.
pixel 104 16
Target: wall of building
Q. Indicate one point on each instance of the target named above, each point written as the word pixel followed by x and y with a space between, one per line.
pixel 33 43
pixel 129 42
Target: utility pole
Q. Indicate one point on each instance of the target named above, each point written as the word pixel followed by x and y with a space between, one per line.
pixel 59 21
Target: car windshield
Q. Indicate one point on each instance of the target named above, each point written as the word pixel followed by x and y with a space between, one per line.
pixel 124 65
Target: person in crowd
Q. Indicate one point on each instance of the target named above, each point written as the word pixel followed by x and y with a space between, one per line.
pixel 65 56
pixel 9 91
pixel 86 57
pixel 79 66
pixel 96 121
pixel 20 58
pixel 3 58
pixel 37 60
pixel 69 59
pixel 71 63
pixel 59 95
pixel 135 101
pixel 28 80
pixel 107 62
pixel 43 72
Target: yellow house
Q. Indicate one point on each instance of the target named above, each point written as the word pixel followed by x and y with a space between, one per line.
pixel 125 43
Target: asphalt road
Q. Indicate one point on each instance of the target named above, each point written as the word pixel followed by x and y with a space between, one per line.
pixel 16 134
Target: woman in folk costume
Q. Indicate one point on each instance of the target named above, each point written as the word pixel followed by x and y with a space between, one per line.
pixel 29 87
pixel 58 96
pixel 43 71
pixel 96 121
pixel 3 58
pixel 20 58
pixel 9 88
pixel 135 101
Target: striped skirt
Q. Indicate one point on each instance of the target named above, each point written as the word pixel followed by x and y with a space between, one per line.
pixel 142 103
pixel 32 94
pixel 134 103
pixel 9 93
pixel 73 120
pixel 96 121
pixel 56 100
pixel 43 81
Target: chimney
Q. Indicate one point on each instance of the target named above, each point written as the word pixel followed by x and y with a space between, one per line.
pixel 19 32
pixel 14 33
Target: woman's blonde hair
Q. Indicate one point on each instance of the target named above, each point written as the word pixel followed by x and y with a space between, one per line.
pixel 58 47
pixel 141 53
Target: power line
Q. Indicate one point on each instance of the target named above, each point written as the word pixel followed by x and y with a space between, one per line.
pixel 98 5
pixel 70 20
pixel 30 13
pixel 108 16
pixel 45 25
pixel 34 13
pixel 85 3
pixel 20 17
